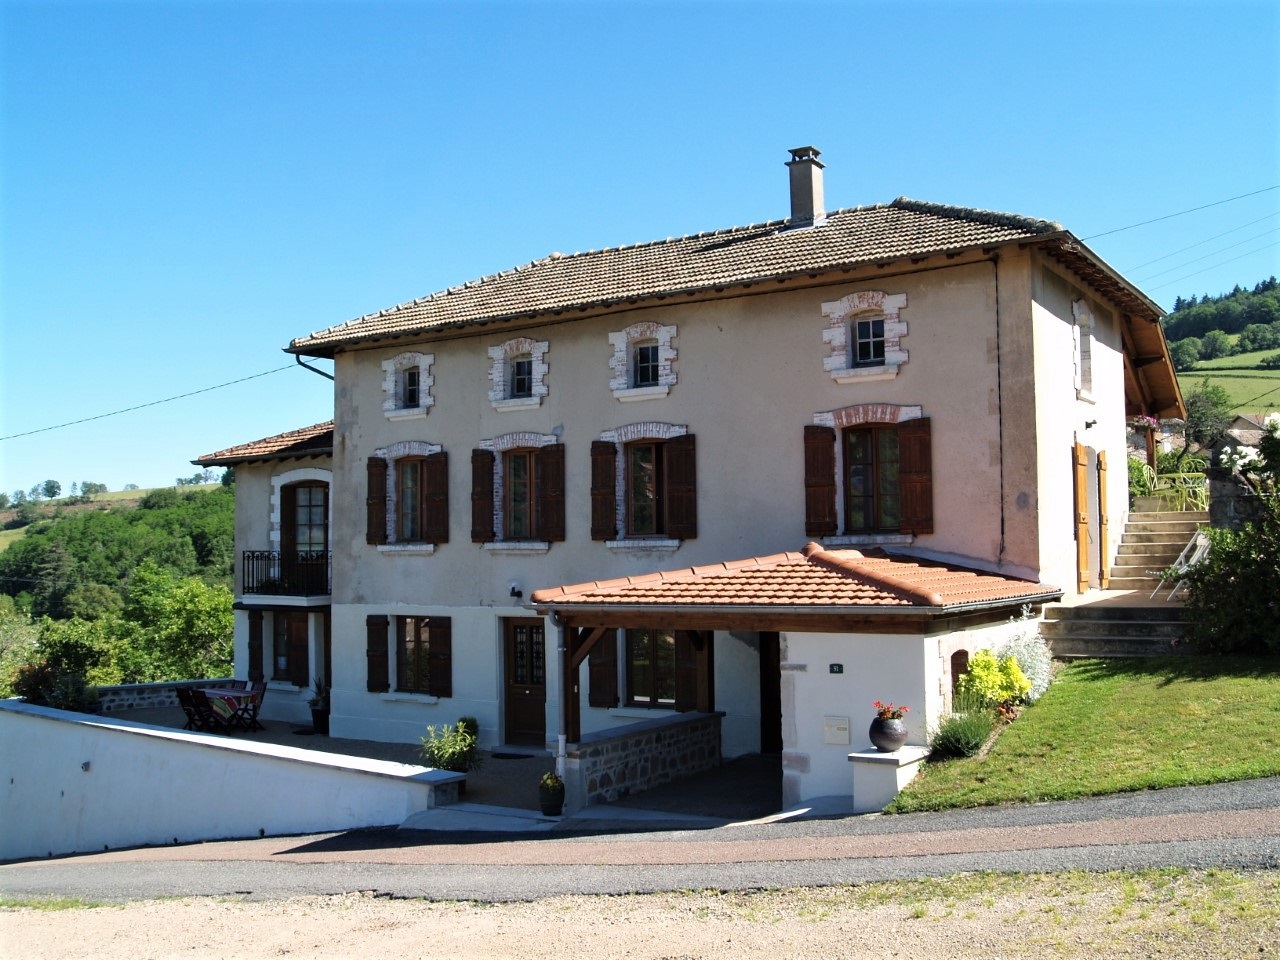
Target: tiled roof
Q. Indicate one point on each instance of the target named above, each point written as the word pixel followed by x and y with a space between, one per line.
pixel 311 441
pixel 701 262
pixel 814 578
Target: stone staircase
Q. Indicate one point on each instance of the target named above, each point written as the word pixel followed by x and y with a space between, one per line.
pixel 1150 545
pixel 1130 624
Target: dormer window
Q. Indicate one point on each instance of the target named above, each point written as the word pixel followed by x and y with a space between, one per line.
pixel 406 385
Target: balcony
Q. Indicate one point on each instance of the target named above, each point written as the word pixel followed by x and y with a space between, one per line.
pixel 279 574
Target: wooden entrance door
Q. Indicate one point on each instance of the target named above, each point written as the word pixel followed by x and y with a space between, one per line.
pixel 525 697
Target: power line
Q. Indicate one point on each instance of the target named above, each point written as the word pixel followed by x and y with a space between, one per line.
pixel 143 406
pixel 1182 213
pixel 1200 243
pixel 1215 253
pixel 1249 253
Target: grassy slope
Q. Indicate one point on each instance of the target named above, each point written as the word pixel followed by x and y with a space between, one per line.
pixel 1249 388
pixel 1107 726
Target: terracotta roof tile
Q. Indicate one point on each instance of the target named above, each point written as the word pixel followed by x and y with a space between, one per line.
pixel 812 577
pixel 310 441
pixel 685 265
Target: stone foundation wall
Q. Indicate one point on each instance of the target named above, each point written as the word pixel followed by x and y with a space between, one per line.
pixel 1232 505
pixel 616 763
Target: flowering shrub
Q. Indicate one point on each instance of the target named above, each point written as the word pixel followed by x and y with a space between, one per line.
pixel 1144 423
pixel 962 733
pixel 1258 466
pixel 991 681
pixel 1034 660
pixel 889 711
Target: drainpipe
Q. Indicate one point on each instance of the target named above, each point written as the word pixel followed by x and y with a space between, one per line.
pixel 562 659
pixel 307 366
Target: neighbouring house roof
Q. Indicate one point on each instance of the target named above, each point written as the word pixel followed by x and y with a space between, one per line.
pixel 313 441
pixel 713 263
pixel 814 578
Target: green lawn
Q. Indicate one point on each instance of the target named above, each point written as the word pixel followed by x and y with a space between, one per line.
pixel 1107 726
pixel 1249 390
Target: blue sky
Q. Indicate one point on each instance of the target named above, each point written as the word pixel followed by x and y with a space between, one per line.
pixel 186 186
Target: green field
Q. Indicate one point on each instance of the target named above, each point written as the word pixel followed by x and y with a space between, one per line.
pixel 1250 389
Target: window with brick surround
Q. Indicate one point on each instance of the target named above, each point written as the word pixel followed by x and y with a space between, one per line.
pixel 518 373
pixel 406 385
pixel 1082 343
pixel 642 366
pixel 644 485
pixel 868 473
pixel 517 492
pixel 864 336
pixel 408 497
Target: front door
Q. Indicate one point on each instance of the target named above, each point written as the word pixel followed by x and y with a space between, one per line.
pixel 526 682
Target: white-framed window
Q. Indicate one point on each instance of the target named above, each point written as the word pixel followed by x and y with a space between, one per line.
pixel 416 491
pixel 1082 347
pixel 518 373
pixel 643 363
pixel 523 493
pixel 644 487
pixel 863 336
pixel 406 385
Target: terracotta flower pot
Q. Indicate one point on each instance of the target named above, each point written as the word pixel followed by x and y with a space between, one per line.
pixel 888 735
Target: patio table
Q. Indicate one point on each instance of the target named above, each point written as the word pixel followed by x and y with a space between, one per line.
pixel 235 706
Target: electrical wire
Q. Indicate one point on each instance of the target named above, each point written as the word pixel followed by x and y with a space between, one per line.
pixel 1182 213
pixel 1200 243
pixel 143 406
pixel 1169 283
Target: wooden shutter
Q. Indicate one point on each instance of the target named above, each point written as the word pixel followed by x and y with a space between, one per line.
pixel 376 653
pixel 682 487
pixel 482 496
pixel 693 671
pixel 551 493
pixel 604 494
pixel 435 498
pixel 602 671
pixel 1104 525
pixel 915 475
pixel 819 481
pixel 255 646
pixel 376 504
pixel 440 656
pixel 299 644
pixel 1080 476
pixel 288 520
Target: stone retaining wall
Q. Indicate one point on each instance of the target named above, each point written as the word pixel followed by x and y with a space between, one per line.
pixel 133 696
pixel 611 764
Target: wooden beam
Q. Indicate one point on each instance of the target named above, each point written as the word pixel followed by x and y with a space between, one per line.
pixel 585 647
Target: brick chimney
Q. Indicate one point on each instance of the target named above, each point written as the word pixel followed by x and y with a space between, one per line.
pixel 806 187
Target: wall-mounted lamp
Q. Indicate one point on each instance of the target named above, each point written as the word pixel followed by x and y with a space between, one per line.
pixel 1090 423
pixel 85 766
pixel 516 592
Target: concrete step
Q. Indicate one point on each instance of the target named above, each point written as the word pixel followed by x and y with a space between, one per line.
pixel 1102 631
pixel 1170 516
pixel 1136 549
pixel 1160 539
pixel 1113 629
pixel 1163 612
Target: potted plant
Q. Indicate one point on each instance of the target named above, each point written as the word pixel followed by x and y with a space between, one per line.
pixel 888 730
pixel 551 794
pixel 319 703
pixel 451 748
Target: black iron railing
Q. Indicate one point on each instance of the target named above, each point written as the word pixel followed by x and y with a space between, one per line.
pixel 286 574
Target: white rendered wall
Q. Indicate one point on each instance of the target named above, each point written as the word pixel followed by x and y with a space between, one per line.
pixel 96 783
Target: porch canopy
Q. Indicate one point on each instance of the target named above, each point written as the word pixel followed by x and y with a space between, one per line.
pixel 814 590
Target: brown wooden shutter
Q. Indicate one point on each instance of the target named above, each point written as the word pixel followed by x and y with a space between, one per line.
pixel 602 671
pixel 682 487
pixel 299 644
pixel 1104 525
pixel 1080 475
pixel 376 504
pixel 819 481
pixel 435 498
pixel 288 520
pixel 604 494
pixel 686 672
pixel 915 475
pixel 551 493
pixel 376 653
pixel 255 646
pixel 482 496
pixel 440 656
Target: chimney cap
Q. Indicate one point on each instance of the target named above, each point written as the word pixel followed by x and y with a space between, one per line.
pixel 801 154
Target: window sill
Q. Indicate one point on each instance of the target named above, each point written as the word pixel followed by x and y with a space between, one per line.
pixel 869 540
pixel 410 413
pixel 866 374
pixel 403 696
pixel 517 403
pixel 641 713
pixel 644 546
pixel 642 393
pixel 516 547
pixel 418 549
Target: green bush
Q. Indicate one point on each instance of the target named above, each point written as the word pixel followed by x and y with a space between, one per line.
pixel 450 748
pixel 962 734
pixel 1233 595
pixel 990 681
pixel 1138 485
